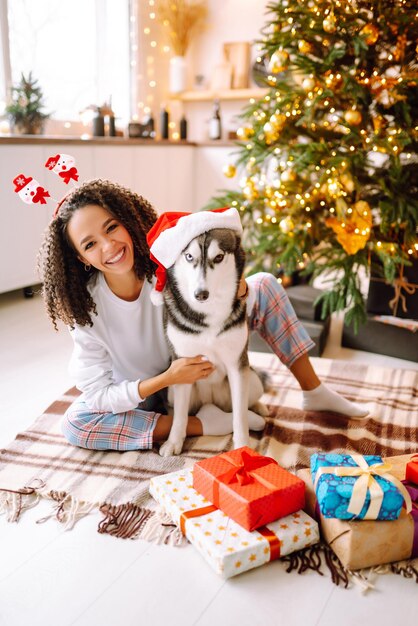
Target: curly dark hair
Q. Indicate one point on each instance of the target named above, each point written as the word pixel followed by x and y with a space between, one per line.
pixel 63 276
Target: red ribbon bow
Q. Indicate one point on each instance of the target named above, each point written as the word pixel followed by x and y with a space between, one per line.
pixel 40 196
pixel 243 468
pixel 67 175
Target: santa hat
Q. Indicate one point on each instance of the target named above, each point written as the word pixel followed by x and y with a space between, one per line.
pixel 52 161
pixel 21 181
pixel 173 232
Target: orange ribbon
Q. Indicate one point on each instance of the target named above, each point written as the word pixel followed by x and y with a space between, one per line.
pixel 274 542
pixel 203 510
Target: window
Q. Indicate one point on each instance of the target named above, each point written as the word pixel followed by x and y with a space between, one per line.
pixel 78 51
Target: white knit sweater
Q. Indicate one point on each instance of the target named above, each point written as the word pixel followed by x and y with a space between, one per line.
pixel 126 344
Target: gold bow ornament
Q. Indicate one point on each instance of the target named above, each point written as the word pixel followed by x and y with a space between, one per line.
pixel 366 483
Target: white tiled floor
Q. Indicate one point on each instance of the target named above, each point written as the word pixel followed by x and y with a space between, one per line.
pixel 55 578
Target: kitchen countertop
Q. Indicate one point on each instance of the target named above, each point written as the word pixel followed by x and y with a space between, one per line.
pixel 105 141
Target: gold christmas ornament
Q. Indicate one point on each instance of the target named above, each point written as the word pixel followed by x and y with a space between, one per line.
pixel 348 182
pixel 288 176
pixel 308 84
pixel 270 134
pixel 305 47
pixel 334 81
pixel 353 117
pixel 379 122
pixel 229 170
pixel 245 132
pixel 330 23
pixel 250 192
pixel 286 225
pixel 278 61
pixel 371 34
pixel 275 28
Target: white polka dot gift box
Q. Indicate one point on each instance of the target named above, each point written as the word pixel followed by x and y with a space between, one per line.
pixel 224 544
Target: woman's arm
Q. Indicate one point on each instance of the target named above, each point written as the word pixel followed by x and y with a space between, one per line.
pixel 92 369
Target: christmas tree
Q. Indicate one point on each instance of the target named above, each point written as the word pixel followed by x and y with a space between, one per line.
pixel 327 160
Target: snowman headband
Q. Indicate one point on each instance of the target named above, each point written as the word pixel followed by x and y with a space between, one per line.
pixel 32 192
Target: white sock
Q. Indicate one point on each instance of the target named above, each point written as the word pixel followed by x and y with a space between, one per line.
pixel 217 422
pixel 324 399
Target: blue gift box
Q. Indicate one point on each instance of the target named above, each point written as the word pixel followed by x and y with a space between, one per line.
pixel 334 492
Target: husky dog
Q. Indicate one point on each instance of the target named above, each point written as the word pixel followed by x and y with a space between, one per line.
pixel 203 315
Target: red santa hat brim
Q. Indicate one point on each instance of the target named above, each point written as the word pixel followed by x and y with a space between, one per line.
pixel 173 232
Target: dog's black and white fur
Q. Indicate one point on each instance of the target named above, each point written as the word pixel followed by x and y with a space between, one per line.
pixel 203 315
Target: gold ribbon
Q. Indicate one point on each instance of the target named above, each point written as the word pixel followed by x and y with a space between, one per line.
pixel 398 284
pixel 366 483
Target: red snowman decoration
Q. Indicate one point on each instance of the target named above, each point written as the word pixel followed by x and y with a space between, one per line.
pixel 64 166
pixel 29 190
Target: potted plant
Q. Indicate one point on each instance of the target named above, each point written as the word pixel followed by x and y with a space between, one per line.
pixel 25 112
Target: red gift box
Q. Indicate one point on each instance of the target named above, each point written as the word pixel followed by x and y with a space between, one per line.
pixel 251 489
pixel 411 473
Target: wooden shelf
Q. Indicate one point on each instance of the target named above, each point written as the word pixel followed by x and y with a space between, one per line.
pixel 226 94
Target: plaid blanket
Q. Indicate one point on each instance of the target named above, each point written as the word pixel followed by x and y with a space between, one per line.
pixel 39 463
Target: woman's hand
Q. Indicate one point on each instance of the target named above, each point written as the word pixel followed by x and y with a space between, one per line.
pixel 184 371
pixel 188 370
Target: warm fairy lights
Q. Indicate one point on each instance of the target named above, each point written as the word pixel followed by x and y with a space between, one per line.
pixel 145 51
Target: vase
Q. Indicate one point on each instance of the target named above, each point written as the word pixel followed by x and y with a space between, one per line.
pixel 177 74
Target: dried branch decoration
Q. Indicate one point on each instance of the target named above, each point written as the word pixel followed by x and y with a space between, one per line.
pixel 181 17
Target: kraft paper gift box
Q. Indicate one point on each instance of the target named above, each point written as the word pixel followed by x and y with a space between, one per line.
pixel 352 486
pixel 363 543
pixel 251 489
pixel 225 545
pixel 411 473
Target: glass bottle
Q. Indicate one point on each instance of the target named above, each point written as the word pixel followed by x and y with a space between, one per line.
pixel 183 128
pixel 215 126
pixel 164 123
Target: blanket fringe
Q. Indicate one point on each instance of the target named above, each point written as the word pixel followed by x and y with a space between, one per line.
pixel 311 559
pixel 14 501
pixel 68 511
pixel 160 529
pixel 124 520
pixel 320 554
pixel 407 569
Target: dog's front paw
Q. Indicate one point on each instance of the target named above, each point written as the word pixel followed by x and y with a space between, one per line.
pixel 171 448
pixel 240 440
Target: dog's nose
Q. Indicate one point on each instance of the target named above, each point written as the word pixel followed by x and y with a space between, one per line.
pixel 201 294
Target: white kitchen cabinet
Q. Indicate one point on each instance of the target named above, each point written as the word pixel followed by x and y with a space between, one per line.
pixel 22 224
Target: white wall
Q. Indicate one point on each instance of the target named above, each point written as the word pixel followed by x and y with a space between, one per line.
pixel 228 21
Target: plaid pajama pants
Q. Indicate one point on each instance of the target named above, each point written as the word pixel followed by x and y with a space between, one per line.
pixel 272 316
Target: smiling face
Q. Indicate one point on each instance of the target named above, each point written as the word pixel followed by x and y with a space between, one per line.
pixel 101 240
